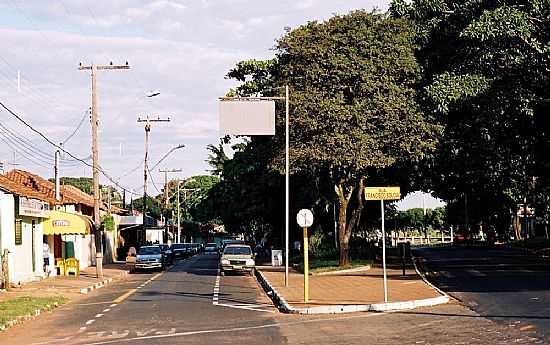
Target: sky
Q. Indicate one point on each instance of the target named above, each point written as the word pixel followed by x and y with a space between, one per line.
pixel 180 48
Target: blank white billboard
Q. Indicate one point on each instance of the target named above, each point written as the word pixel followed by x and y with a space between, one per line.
pixel 247 117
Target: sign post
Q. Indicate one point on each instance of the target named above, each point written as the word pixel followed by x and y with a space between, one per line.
pixel 305 220
pixel 383 193
pixel 242 119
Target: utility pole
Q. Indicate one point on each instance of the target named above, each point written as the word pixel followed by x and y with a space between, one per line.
pixel 56 172
pixel 166 203
pixel 179 221
pixel 95 157
pixel 147 121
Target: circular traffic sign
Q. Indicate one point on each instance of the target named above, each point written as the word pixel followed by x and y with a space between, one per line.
pixel 304 218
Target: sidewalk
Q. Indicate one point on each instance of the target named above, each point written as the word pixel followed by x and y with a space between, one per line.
pixel 358 291
pixel 66 286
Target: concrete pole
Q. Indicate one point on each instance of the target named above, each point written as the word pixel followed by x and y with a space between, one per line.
pixel 179 213
pixel 141 238
pixel 287 181
pixel 95 158
pixel 56 172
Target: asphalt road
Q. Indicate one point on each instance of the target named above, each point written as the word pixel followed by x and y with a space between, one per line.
pixel 502 284
pixel 191 304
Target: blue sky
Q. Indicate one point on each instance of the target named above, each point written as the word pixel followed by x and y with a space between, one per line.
pixel 181 48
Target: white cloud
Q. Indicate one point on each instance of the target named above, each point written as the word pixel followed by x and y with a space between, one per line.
pixel 181 48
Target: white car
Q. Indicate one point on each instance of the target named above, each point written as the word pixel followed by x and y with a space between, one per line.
pixel 237 258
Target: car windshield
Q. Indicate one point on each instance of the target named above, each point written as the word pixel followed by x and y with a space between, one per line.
pixel 210 248
pixel 177 245
pixel 149 251
pixel 237 251
pixel 163 247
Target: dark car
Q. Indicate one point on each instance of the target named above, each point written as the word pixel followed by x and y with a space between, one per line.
pixel 167 253
pixel 211 249
pixel 179 250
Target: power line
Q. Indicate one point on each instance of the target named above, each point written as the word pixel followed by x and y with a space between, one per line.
pixel 59 147
pixel 86 114
pixel 29 147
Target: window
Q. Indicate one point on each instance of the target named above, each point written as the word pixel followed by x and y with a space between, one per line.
pixel 18 232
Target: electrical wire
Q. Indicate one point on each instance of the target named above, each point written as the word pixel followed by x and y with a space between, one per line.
pixel 99 168
pixel 30 148
pixel 86 114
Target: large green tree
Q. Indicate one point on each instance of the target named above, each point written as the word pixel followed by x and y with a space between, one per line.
pixel 354 111
pixel 486 76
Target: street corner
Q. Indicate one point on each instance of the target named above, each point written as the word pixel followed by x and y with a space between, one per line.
pixel 361 292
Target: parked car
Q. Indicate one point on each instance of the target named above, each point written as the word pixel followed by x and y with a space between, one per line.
pixel 191 249
pixel 237 258
pixel 179 250
pixel 167 253
pixel 149 257
pixel 228 242
pixel 211 249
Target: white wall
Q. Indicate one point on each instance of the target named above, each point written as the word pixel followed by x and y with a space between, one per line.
pixel 20 257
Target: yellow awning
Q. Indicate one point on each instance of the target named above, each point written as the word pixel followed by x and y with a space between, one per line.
pixel 63 223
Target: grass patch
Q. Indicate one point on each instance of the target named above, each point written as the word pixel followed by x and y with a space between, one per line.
pixel 327 265
pixel 25 305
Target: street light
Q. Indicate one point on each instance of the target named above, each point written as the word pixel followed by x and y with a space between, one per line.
pixel 152 94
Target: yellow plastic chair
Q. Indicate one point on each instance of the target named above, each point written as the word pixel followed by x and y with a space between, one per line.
pixel 72 265
pixel 60 265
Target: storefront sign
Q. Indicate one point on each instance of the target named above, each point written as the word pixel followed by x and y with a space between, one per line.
pixel 33 208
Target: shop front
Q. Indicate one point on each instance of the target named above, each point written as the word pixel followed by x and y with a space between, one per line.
pixel 68 235
pixel 21 235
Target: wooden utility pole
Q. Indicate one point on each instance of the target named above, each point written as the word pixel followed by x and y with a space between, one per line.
pixel 166 203
pixel 147 121
pixel 95 157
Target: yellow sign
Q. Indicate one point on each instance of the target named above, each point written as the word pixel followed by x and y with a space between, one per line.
pixel 383 193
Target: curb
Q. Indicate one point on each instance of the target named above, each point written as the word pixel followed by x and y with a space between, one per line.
pixel 284 307
pixel 101 283
pixel 425 279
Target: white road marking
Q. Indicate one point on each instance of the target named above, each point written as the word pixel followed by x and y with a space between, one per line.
pixel 89 322
pixel 106 310
pixel 82 329
pixel 99 315
pixel 172 333
pixel 146 332
pixel 216 289
pixel 476 273
pixel 113 305
pixel 245 307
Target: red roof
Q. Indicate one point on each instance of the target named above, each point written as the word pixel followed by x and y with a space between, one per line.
pixel 22 190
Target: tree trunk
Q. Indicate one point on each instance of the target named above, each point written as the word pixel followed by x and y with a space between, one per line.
pixel 345 226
